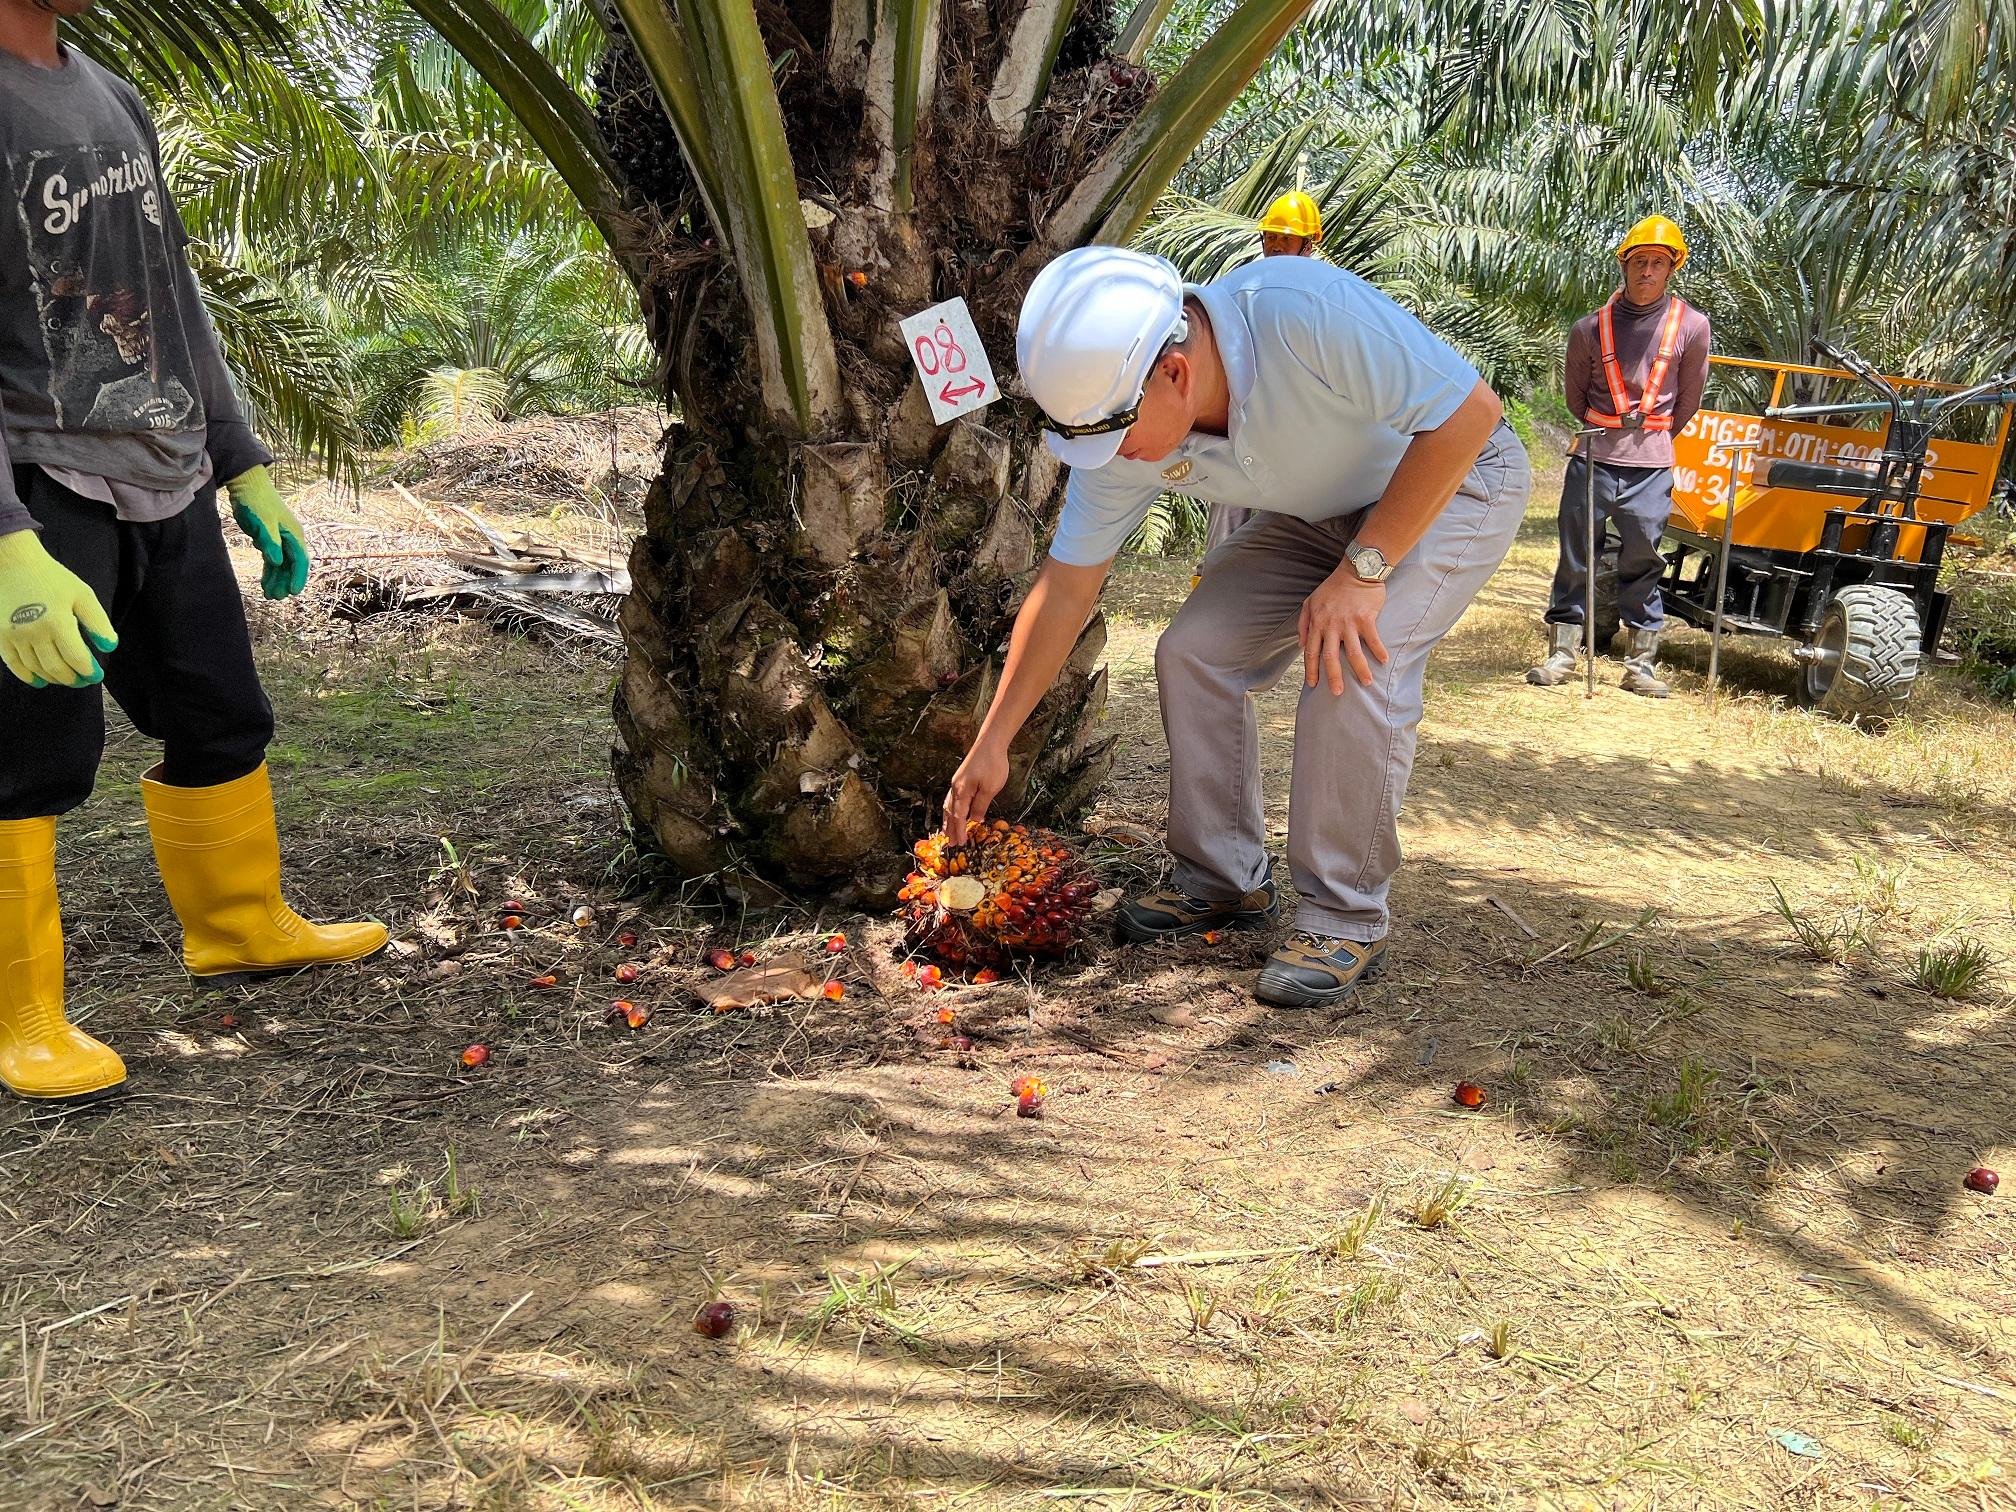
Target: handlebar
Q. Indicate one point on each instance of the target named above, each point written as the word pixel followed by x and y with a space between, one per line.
pixel 1998 390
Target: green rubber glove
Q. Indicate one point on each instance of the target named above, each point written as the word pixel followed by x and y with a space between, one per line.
pixel 46 614
pixel 256 506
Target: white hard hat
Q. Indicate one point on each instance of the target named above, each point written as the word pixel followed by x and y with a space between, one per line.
pixel 1093 324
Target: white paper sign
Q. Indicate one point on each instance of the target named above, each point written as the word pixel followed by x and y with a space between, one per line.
pixel 950 360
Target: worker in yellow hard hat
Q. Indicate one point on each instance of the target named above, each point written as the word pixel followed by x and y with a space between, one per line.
pixel 1633 375
pixel 1291 227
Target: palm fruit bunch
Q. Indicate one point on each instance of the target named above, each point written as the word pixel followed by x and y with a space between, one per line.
pixel 1008 891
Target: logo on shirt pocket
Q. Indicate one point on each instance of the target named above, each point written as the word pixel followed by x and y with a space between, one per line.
pixel 1179 471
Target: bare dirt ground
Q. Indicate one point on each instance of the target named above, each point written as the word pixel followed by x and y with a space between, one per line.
pixel 1705 1245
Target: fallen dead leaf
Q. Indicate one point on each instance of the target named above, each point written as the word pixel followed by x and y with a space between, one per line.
pixel 759 984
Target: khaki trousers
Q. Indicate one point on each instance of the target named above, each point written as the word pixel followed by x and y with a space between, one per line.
pixel 1236 636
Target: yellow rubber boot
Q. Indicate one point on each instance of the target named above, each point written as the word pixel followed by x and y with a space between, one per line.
pixel 42 1055
pixel 219 856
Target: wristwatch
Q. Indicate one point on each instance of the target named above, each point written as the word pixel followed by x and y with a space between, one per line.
pixel 1369 562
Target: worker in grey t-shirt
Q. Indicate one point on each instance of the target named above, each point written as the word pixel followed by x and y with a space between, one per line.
pixel 117 424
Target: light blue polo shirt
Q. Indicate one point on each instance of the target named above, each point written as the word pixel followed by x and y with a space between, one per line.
pixel 1330 380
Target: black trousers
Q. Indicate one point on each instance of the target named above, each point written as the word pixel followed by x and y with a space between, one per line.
pixel 183 671
pixel 1637 502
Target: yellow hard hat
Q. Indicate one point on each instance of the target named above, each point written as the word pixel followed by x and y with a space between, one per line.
pixel 1655 231
pixel 1294 214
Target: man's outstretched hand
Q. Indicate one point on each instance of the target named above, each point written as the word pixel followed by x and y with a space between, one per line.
pixel 976 784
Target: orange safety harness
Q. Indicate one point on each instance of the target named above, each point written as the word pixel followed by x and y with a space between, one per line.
pixel 1624 414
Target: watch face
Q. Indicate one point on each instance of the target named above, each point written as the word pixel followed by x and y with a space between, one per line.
pixel 1369 562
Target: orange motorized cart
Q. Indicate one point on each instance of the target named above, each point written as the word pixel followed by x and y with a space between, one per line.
pixel 1824 519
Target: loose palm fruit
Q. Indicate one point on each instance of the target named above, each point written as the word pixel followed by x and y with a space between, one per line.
pixel 476 1055
pixel 1982 1180
pixel 637 1017
pixel 626 939
pixel 720 959
pixel 715 1320
pixel 548 980
pixel 1469 1094
pixel 584 917
pixel 512 921
pixel 835 991
pixel 626 973
pixel 835 944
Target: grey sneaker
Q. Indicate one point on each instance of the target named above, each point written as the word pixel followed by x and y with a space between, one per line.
pixel 1314 971
pixel 1166 913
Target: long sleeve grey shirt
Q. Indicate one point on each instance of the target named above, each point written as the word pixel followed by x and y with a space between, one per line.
pixel 109 366
pixel 1638 331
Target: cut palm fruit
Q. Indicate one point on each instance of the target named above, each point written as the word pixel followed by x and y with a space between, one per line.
pixel 962 894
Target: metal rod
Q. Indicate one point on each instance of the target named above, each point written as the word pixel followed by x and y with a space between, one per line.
pixel 1736 456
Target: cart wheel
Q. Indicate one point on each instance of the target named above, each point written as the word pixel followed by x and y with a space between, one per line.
pixel 1867 659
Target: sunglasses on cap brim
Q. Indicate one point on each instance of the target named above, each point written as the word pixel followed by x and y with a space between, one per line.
pixel 1106 427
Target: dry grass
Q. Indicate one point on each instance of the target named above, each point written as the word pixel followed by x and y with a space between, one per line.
pixel 1711 1207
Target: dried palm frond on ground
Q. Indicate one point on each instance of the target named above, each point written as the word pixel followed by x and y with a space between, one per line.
pixel 610 457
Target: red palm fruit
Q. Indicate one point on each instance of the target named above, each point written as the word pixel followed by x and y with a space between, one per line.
pixel 907 969
pixel 512 921
pixel 835 944
pixel 548 980
pixel 947 1016
pixel 626 939
pixel 748 958
pixel 1982 1180
pixel 627 973
pixel 476 1055
pixel 512 905
pixel 1469 1094
pixel 835 991
pixel 1028 1106
pixel 720 960
pixel 637 1017
pixel 985 975
pixel 715 1320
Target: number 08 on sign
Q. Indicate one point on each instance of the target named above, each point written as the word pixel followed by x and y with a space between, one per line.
pixel 951 362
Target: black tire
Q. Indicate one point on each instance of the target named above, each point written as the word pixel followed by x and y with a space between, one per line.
pixel 1869 647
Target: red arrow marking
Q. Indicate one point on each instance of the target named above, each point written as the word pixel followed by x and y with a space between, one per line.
pixel 949 394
